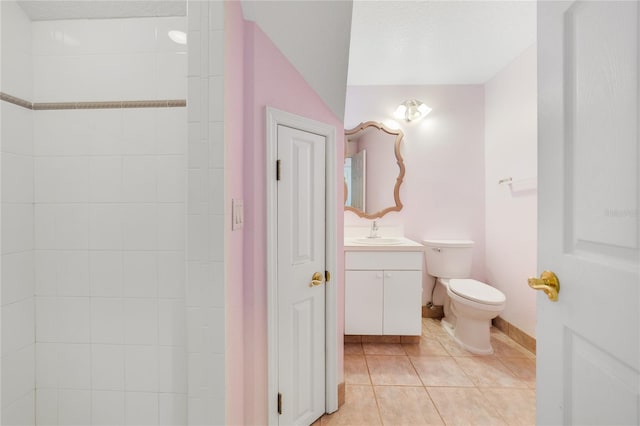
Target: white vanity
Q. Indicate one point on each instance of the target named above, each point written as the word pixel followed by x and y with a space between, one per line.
pixel 383 286
pixel 383 270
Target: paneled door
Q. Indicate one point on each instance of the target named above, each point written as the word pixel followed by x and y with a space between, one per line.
pixel 588 341
pixel 301 276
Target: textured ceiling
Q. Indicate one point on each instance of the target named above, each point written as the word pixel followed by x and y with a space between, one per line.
pixel 436 42
pixel 43 10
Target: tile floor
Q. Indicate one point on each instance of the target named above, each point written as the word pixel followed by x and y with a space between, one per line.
pixel 436 382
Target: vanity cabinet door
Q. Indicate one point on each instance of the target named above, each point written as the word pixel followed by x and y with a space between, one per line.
pixel 402 303
pixel 363 295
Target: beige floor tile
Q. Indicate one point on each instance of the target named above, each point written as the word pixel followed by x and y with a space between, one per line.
pixel 452 347
pixel 392 370
pixel 428 346
pixel 522 368
pixel 355 370
pixel 488 371
pixel 464 406
pixel 440 371
pixel 516 406
pixel 383 349
pixel 406 405
pixel 353 349
pixel 360 408
pixel 507 348
pixel 431 327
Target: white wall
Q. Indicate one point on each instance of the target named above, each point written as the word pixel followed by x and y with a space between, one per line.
pixel 16 147
pixel 443 189
pixel 511 213
pixel 109 224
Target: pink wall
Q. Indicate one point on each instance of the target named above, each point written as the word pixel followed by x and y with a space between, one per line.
pixel 234 178
pixel 261 77
pixel 443 189
pixel 511 218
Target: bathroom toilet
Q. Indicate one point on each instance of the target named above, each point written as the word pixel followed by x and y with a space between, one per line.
pixel 469 305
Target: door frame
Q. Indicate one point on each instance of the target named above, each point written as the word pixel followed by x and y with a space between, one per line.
pixel 274 118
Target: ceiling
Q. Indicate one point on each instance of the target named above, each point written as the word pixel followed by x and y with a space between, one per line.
pixel 436 42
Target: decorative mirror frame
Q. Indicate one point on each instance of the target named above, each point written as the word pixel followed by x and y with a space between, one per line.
pixel 396 191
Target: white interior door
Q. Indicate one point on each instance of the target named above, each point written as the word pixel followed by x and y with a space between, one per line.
pixel 301 254
pixel 588 341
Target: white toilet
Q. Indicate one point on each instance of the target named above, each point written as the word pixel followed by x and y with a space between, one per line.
pixel 469 305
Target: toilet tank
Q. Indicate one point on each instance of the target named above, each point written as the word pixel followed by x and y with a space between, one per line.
pixel 449 258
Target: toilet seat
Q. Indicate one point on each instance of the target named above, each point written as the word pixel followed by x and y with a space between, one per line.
pixel 476 291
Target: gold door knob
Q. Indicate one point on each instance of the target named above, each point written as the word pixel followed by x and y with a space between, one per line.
pixel 316 279
pixel 549 283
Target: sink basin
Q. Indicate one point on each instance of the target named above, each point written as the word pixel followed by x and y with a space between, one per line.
pixel 378 241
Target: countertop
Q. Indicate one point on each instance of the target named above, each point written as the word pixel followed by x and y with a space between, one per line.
pixel 403 244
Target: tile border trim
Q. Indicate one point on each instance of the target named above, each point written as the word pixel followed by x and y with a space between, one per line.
pixel 50 106
pixel 15 100
pixel 387 338
pixel 342 394
pixel 515 333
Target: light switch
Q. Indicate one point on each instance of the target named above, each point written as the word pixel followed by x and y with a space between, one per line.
pixel 237 214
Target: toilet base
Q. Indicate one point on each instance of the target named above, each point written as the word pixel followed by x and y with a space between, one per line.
pixel 475 338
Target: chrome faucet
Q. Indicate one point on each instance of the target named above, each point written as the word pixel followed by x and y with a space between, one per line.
pixel 374 230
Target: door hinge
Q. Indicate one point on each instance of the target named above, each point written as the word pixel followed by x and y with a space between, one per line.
pixel 277 169
pixel 327 276
pixel 279 403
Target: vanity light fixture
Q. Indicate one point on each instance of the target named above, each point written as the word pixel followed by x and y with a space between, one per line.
pixel 411 110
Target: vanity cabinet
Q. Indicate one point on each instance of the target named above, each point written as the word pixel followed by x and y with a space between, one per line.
pixel 383 293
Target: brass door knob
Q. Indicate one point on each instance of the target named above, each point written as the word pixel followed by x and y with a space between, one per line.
pixel 549 283
pixel 316 279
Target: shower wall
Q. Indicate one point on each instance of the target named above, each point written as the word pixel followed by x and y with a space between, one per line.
pixel 93 221
pixel 16 174
pixel 114 220
pixel 208 219
pixel 109 223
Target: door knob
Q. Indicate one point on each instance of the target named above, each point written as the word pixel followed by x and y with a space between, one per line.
pixel 316 279
pixel 549 283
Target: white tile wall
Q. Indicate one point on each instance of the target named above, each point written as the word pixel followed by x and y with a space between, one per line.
pixel 107 227
pixel 107 408
pixel 17 306
pixel 109 224
pixel 205 215
pixel 108 367
pixel 107 320
pixel 141 408
pixel 16 51
pixel 17 276
pixel 128 59
pixel 46 406
pixel 17 130
pixel 17 182
pixel 17 228
pixel 74 407
pixel 18 376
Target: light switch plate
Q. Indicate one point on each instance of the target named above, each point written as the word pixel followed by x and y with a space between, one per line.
pixel 237 214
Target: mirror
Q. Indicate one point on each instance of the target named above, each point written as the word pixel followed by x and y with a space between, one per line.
pixel 373 170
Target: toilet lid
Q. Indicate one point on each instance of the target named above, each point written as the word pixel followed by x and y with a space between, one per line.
pixel 476 291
